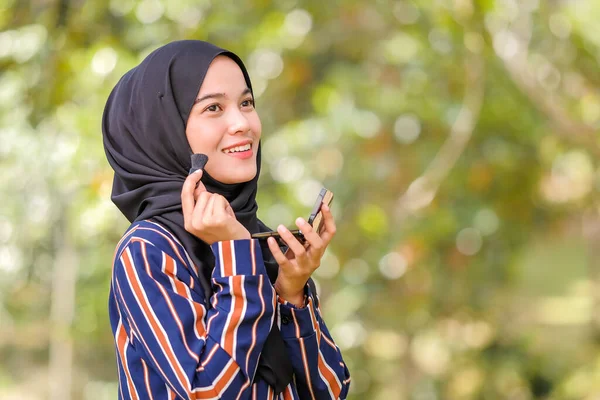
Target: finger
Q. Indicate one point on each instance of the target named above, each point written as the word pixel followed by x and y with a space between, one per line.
pixel 208 215
pixel 230 211
pixel 200 207
pixel 187 193
pixel 199 189
pixel 329 224
pixel 314 243
pixel 277 253
pixel 293 244
pixel 220 205
pixel 199 186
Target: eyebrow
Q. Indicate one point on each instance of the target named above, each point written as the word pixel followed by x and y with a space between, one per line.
pixel 218 96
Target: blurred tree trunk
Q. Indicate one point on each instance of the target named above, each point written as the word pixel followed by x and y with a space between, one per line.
pixel 62 310
pixel 591 232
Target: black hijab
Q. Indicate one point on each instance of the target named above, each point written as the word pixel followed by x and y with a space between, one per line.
pixel 143 127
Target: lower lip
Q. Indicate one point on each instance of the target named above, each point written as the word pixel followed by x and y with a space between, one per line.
pixel 243 155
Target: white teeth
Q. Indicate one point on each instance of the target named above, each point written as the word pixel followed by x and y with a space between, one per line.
pixel 238 148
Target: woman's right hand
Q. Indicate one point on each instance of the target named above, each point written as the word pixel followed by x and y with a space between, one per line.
pixel 208 216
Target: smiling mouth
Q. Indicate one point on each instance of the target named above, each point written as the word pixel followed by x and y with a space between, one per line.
pixel 238 149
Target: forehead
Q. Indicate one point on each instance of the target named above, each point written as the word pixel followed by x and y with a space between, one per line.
pixel 224 71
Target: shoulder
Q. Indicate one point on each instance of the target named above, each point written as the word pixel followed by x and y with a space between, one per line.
pixel 152 237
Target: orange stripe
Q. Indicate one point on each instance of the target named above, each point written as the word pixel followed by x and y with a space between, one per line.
pixel 248 383
pixel 253 256
pixel 214 301
pixel 171 242
pixel 255 326
pixel 313 319
pixel 329 377
pixel 236 314
pixel 147 379
pixel 209 357
pixel 121 241
pixel 162 339
pixel 287 393
pixel 168 233
pixel 220 384
pixel 329 342
pixel 227 260
pixel 323 368
pixel 303 351
pixel 306 371
pixel 141 338
pixel 181 290
pixel 116 257
pixel 296 323
pixel 121 344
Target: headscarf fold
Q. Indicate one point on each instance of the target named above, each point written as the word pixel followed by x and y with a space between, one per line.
pixel 144 138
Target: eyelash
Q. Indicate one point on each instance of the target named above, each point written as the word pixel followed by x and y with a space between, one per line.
pixel 249 101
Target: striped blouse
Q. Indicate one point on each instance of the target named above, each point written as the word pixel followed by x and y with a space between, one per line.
pixel 169 345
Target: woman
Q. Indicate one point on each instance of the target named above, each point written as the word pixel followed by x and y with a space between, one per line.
pixel 199 310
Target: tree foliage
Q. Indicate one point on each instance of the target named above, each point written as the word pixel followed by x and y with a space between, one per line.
pixel 459 137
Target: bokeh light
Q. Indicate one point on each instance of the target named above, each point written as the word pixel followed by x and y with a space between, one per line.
pixel 460 141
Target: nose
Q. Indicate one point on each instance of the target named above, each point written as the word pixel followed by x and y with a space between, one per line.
pixel 238 123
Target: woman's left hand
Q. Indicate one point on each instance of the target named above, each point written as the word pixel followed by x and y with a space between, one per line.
pixel 300 261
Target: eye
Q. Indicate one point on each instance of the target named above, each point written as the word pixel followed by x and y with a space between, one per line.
pixel 213 108
pixel 248 103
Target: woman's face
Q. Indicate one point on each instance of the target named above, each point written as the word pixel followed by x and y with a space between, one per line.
pixel 224 125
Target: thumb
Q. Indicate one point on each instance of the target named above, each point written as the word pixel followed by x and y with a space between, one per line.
pixel 199 186
pixel 229 211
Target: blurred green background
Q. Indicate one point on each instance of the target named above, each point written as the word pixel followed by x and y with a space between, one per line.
pixel 460 138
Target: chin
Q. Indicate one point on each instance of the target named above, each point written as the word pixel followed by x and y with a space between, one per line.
pixel 241 178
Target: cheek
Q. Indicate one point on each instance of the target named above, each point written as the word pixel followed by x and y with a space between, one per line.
pixel 201 137
pixel 255 125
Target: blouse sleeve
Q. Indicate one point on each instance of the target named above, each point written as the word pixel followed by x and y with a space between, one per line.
pixel 199 353
pixel 317 361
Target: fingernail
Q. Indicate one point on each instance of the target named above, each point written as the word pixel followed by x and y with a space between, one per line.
pixel 300 221
pixel 281 228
